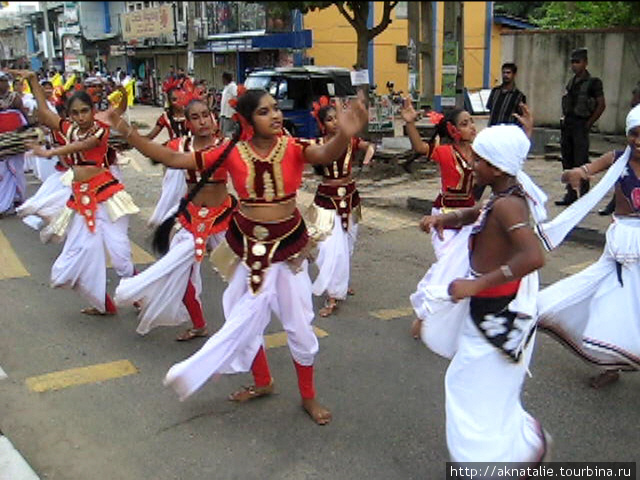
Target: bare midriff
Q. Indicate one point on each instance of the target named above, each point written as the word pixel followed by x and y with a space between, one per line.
pixel 211 195
pixel 337 181
pixel 268 212
pixel 85 172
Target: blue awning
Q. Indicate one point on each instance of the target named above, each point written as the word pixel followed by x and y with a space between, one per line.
pixel 293 40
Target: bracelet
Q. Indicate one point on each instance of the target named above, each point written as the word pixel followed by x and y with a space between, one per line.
pixel 458 215
pixel 586 170
pixel 506 271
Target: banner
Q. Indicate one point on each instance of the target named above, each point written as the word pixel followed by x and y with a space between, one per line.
pixel 147 23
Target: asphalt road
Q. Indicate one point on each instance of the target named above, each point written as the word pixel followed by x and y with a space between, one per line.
pixel 385 389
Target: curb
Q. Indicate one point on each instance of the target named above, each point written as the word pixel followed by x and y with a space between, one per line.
pixel 582 235
pixel 12 465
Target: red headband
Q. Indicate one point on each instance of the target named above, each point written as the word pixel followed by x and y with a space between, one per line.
pixel 320 104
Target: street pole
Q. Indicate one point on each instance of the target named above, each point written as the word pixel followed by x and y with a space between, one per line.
pixel 191 34
pixel 453 57
pixel 43 7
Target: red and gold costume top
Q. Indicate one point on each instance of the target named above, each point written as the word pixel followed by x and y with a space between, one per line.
pixel 270 178
pixel 456 175
pixel 341 168
pixel 185 144
pixel 97 156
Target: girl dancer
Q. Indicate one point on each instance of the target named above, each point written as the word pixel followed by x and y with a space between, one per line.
pixel 265 249
pixel 168 292
pixel 174 186
pixel 335 213
pixel 97 214
pixel 596 312
pixel 456 176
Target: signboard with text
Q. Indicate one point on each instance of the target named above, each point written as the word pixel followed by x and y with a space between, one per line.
pixel 147 23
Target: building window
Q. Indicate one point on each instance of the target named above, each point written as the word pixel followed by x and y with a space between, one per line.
pixel 146 4
pixel 132 7
pixel 401 10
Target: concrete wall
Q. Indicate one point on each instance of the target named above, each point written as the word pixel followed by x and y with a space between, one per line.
pixel 544 70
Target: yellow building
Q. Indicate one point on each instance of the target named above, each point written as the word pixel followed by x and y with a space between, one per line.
pixel 334 44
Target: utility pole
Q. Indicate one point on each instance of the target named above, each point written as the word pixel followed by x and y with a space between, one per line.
pixel 453 56
pixel 47 47
pixel 191 37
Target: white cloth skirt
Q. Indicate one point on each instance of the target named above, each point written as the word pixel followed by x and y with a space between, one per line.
pixel 591 312
pixel 485 420
pixel 13 183
pixel 233 348
pixel 82 263
pixel 42 167
pixel 441 322
pixel 160 288
pixel 47 203
pixel 334 260
pixel 174 187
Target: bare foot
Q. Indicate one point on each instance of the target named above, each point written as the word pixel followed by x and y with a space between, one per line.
pixel 95 311
pixel 329 306
pixel 605 378
pixel 249 393
pixel 416 326
pixel 321 415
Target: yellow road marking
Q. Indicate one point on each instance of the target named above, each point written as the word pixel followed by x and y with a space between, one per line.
pixel 279 339
pixel 391 313
pixel 10 264
pixel 139 255
pixel 80 376
pixel 571 269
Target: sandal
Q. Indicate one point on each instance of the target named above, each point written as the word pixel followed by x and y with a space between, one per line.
pixel 192 333
pixel 605 378
pixel 330 305
pixel 351 291
pixel 251 392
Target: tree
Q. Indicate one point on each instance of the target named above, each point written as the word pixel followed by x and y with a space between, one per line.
pixel 573 15
pixel 356 14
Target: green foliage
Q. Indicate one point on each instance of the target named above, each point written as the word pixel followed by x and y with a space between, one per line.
pixel 575 15
pixel 530 11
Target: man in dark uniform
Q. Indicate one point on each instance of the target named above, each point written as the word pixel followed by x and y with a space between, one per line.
pixel 582 105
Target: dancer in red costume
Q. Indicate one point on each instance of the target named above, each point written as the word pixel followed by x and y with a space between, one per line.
pixel 266 247
pixel 169 291
pixel 335 212
pixel 97 214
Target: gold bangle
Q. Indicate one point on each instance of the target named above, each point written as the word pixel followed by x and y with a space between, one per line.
pixel 586 170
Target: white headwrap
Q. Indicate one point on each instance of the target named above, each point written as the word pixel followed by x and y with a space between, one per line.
pixel 633 118
pixel 554 232
pixel 506 148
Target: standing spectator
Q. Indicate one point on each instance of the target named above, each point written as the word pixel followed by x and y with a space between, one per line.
pixel 229 92
pixel 582 105
pixel 505 99
pixel 172 73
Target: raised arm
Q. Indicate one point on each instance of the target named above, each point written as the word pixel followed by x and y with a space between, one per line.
pixel 584 172
pixel 153 150
pixel 350 121
pixel 409 115
pixel 45 115
pixel 87 144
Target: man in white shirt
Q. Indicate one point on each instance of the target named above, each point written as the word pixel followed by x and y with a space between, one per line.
pixel 229 91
